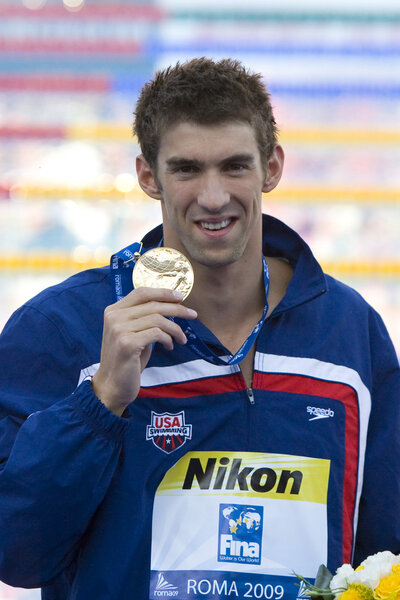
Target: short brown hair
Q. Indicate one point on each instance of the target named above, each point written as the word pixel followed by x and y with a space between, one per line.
pixel 205 92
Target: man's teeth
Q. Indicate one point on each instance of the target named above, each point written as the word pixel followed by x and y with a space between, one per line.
pixel 215 226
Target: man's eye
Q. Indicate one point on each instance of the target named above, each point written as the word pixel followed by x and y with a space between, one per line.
pixel 185 169
pixel 236 167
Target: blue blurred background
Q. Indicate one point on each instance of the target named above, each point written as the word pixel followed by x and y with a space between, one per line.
pixel 70 71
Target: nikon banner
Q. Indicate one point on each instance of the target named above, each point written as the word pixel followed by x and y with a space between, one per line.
pixel 239 525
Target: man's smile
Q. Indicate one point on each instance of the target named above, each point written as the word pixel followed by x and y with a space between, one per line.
pixel 216 225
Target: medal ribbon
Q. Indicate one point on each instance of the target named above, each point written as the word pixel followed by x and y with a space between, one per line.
pixel 121 266
pixel 202 350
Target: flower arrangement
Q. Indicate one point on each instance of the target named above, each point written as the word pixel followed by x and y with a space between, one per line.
pixel 376 578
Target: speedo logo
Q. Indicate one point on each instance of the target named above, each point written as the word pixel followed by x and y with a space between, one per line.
pixel 319 413
pixel 227 474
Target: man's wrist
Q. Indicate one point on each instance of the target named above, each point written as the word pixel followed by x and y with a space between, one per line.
pixel 115 407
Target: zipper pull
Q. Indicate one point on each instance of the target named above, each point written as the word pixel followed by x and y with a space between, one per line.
pixel 250 394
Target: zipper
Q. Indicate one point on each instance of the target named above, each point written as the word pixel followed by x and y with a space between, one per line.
pixel 249 390
pixel 250 395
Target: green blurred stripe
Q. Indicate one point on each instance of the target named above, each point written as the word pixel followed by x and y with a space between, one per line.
pixel 285 16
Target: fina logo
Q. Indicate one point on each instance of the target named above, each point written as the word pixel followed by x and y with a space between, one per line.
pixel 165 589
pixel 240 533
pixel 168 431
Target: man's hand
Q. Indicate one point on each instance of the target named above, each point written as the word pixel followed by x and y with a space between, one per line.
pixel 131 326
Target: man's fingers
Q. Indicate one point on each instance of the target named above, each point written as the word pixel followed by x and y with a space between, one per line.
pixel 166 309
pixel 158 322
pixel 146 316
pixel 131 343
pixel 148 301
pixel 145 294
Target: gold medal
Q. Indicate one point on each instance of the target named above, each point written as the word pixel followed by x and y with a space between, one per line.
pixel 164 268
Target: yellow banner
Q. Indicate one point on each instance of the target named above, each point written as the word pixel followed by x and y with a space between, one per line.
pixel 248 474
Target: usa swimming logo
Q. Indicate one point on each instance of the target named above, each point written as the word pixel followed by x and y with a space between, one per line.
pixel 240 533
pixel 168 431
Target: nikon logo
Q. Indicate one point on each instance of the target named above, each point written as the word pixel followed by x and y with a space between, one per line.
pixel 228 474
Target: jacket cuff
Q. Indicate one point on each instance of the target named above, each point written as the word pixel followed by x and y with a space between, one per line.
pixel 98 417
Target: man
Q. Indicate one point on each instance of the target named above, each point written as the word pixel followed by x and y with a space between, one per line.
pixel 206 448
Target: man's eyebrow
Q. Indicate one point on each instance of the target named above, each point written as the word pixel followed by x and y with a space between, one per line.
pixel 177 161
pixel 240 157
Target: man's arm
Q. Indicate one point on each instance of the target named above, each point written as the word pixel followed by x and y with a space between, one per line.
pixel 59 450
pixel 379 517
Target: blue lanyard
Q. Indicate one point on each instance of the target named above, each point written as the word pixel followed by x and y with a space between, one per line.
pixel 121 266
pixel 200 348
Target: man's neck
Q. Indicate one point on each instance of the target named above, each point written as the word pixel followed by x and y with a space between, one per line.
pixel 229 300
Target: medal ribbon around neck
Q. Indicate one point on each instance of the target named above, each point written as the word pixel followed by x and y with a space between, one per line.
pixel 202 350
pixel 121 266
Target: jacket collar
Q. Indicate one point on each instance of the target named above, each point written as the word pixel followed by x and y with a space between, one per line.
pixel 308 280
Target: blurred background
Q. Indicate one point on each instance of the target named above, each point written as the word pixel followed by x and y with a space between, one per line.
pixel 70 71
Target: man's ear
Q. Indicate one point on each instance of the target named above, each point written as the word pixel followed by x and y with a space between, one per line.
pixel 146 178
pixel 274 169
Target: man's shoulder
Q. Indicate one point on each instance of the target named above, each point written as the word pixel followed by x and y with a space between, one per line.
pixel 86 294
pixel 61 319
pixel 343 292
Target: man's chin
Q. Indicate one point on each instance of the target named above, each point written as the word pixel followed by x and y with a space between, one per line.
pixel 215 260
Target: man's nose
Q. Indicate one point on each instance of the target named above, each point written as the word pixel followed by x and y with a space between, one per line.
pixel 213 195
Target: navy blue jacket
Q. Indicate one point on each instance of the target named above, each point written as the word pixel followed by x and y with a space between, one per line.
pixel 203 489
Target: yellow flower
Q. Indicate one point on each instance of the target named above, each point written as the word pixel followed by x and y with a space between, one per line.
pixel 350 594
pixel 396 568
pixel 389 587
pixel 357 591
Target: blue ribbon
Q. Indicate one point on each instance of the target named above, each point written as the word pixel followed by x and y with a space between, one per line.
pixel 121 267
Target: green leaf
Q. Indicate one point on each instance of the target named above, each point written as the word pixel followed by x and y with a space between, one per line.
pixel 320 590
pixel 323 577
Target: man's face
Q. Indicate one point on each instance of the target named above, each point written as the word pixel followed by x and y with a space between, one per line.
pixel 211 180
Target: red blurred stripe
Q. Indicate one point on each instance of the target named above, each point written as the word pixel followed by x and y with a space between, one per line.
pixel 98 46
pixel 54 83
pixel 92 10
pixel 29 131
pixel 4 192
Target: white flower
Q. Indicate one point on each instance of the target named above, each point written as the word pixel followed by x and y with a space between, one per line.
pixel 383 560
pixel 376 567
pixel 369 577
pixel 372 570
pixel 340 580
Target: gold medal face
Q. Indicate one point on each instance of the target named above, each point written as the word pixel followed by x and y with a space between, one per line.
pixel 164 268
